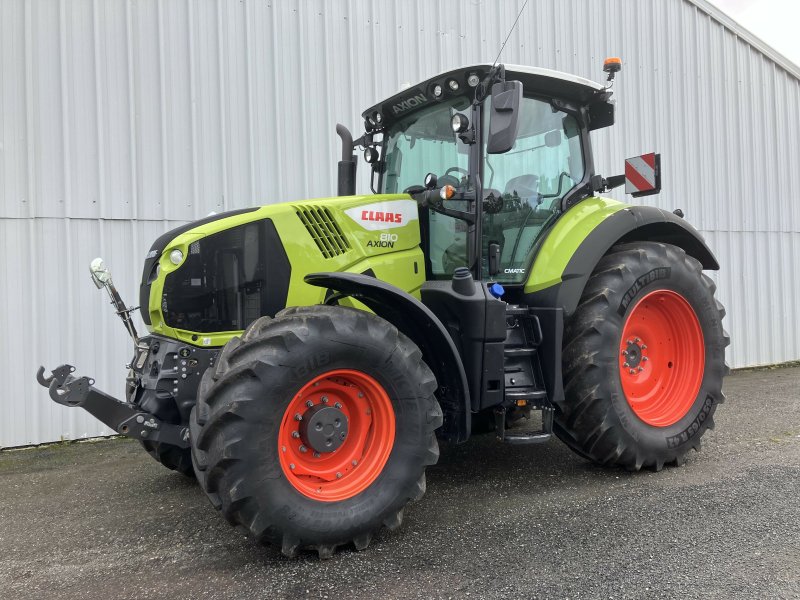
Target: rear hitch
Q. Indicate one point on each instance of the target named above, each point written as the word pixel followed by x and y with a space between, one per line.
pixel 122 417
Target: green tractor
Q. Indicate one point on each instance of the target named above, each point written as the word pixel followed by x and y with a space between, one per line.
pixel 303 359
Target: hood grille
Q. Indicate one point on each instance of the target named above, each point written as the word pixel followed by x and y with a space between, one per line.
pixel 324 230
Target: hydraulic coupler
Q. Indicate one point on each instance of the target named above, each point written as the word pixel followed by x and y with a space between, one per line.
pixel 122 417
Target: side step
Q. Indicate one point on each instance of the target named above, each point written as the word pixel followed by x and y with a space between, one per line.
pixel 120 416
pixel 524 437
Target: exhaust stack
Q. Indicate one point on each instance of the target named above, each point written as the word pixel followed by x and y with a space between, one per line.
pixel 346 180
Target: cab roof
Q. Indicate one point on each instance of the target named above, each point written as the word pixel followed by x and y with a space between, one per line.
pixel 545 82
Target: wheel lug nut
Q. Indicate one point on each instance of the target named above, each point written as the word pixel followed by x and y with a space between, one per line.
pixel 316 454
pixel 324 399
pixel 338 405
pixel 624 353
pixel 626 365
pixel 641 369
pixel 644 347
pixel 298 417
pixel 303 448
pixel 291 466
pixel 645 358
pixel 632 371
pixel 309 403
pixel 338 475
pixel 295 434
pixel 637 340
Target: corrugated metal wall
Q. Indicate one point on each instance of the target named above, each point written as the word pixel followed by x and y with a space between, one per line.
pixel 121 118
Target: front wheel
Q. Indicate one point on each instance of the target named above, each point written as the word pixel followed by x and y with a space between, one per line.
pixel 643 360
pixel 314 429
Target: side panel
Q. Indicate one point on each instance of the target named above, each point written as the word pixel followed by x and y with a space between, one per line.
pixel 377 234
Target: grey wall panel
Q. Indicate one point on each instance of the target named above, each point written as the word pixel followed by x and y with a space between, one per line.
pixel 121 118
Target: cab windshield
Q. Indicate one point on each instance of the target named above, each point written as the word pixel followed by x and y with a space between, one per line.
pixel 423 143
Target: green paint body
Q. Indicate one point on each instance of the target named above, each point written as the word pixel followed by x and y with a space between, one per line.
pixel 397 259
pixel 563 238
pixel 400 262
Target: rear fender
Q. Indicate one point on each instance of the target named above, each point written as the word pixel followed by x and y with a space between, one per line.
pixel 417 322
pixel 619 224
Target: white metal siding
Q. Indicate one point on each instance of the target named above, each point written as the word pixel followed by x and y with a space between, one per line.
pixel 120 119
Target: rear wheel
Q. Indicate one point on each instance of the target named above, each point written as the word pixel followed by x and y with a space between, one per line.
pixel 314 429
pixel 643 360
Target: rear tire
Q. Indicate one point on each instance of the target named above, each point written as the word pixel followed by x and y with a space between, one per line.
pixel 643 360
pixel 246 441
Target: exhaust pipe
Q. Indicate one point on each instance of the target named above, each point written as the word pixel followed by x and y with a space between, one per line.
pixel 346 181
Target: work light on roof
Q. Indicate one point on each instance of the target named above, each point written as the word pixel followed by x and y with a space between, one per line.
pixel 473 80
pixel 453 85
pixel 437 91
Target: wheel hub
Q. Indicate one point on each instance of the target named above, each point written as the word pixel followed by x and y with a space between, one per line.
pixel 634 354
pixel 323 428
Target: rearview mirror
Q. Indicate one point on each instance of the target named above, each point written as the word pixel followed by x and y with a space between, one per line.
pixel 504 119
pixel 101 275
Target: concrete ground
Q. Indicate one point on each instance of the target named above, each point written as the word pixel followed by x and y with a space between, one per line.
pixel 98 520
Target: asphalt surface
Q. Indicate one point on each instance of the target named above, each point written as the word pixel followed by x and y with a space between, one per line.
pixel 98 520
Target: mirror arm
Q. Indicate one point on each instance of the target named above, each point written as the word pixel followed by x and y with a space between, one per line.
pixel 606 184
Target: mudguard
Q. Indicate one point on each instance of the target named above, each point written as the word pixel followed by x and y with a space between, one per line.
pixel 417 322
pixel 610 223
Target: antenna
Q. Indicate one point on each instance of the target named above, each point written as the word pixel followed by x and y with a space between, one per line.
pixel 510 31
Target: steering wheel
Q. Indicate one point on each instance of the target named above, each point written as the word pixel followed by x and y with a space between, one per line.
pixel 464 172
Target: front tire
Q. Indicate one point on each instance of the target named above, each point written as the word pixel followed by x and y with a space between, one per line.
pixel 643 360
pixel 314 429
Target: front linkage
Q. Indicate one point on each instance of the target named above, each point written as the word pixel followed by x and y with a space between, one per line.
pixel 122 417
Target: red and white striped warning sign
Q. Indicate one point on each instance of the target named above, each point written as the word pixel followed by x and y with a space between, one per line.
pixel 643 174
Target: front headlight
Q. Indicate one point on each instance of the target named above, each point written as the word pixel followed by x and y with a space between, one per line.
pixel 176 257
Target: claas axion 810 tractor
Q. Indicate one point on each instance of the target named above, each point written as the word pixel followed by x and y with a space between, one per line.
pixel 304 358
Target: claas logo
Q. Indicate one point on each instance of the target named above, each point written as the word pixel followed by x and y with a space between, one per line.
pixel 380 216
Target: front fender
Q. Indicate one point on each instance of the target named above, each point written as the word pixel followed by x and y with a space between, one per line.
pixel 578 242
pixel 417 322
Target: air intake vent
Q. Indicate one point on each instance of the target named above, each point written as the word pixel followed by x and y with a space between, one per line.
pixel 326 232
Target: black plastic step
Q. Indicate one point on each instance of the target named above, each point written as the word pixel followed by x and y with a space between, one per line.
pixel 518 351
pixel 524 437
pixel 525 394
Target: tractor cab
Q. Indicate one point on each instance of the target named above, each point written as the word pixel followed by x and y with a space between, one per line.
pixel 495 154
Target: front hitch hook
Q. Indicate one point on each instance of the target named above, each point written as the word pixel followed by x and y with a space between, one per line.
pixel 59 374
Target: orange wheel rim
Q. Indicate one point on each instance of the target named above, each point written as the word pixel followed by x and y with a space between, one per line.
pixel 336 435
pixel 662 358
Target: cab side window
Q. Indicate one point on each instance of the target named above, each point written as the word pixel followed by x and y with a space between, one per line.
pixel 545 163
